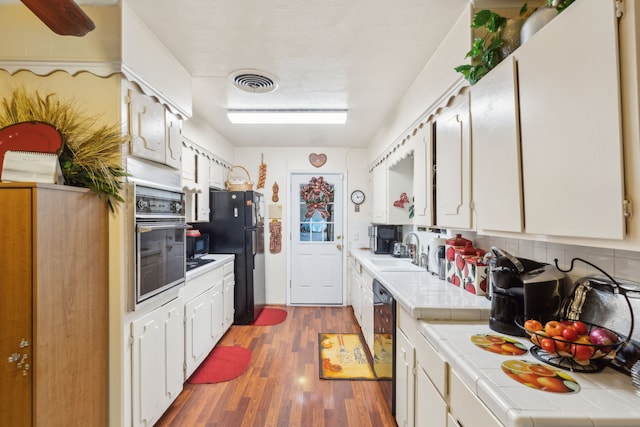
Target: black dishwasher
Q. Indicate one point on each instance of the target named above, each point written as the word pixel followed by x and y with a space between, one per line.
pixel 384 343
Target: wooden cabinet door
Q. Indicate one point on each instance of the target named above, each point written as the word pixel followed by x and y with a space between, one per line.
pixel 570 116
pixel 174 350
pixel 217 313
pixel 228 297
pixel 405 378
pixel 202 183
pixel 15 306
pixel 217 174
pixel 158 360
pixel 423 180
pixel 147 368
pixel 453 165
pixel 173 154
pixel 146 127
pixel 430 408
pixel 379 194
pixel 495 133
pixel 198 334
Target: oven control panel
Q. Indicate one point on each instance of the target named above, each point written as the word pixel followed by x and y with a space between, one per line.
pixel 159 202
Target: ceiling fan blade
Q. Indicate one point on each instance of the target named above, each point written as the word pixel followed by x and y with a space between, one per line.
pixel 63 17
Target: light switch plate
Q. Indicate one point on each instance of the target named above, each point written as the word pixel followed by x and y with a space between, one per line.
pixel 275 211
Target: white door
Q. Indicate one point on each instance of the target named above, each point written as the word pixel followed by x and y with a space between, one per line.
pixel 316 239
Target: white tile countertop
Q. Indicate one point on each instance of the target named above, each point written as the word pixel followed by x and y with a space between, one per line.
pixel 218 261
pixel 606 398
pixel 423 295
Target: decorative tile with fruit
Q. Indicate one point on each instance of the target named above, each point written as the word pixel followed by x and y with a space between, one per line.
pixel 499 344
pixel 539 376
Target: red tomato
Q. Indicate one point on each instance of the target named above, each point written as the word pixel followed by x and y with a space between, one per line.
pixel 581 352
pixel 548 345
pixel 580 327
pixel 569 333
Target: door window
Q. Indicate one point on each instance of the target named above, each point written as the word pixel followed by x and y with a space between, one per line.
pixel 316 210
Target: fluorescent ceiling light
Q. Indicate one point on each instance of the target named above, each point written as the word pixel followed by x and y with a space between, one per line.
pixel 287 116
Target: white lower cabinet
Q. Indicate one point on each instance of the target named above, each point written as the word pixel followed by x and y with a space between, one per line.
pixel 431 408
pixel 362 301
pixel 204 312
pixel 157 361
pixel 466 408
pixel 405 380
pixel 228 296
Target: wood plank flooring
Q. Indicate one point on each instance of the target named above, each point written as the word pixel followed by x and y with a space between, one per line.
pixel 281 388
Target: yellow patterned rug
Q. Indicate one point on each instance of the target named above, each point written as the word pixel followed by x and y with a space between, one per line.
pixel 344 357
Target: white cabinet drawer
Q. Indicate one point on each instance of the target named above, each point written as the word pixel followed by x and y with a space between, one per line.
pixel 433 364
pixel 227 268
pixel 466 407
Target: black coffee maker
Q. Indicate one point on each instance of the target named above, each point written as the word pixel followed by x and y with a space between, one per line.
pixel 521 288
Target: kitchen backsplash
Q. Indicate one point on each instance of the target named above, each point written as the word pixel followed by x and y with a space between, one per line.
pixel 624 265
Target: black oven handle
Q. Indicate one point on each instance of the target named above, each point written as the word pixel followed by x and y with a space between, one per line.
pixel 145 228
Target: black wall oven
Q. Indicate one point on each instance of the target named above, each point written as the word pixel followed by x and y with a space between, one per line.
pixel 160 243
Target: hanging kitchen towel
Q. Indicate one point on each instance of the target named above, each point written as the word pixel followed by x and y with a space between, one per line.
pixel 275 240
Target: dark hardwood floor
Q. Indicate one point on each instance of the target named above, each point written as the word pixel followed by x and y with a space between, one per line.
pixel 282 387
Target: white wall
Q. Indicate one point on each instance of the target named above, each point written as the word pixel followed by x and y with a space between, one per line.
pixel 280 163
pixel 200 133
pixel 436 79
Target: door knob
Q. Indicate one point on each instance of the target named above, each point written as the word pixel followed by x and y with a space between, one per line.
pixel 339 246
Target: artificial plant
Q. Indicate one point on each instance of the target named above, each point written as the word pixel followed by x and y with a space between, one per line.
pixel 485 51
pixel 91 156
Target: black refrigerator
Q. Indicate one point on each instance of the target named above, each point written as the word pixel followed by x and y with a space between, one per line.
pixel 236 226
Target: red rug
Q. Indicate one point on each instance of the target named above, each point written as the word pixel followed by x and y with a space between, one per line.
pixel 270 316
pixel 224 363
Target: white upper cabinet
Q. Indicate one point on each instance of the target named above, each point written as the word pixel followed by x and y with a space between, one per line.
pixel 217 174
pixel 570 118
pixel 497 180
pixel 423 175
pixel 146 127
pixel 453 165
pixel 174 140
pixel 379 193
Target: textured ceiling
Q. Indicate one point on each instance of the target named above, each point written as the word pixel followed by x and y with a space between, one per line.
pixel 354 54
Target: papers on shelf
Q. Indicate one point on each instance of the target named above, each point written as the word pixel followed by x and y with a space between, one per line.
pixel 29 166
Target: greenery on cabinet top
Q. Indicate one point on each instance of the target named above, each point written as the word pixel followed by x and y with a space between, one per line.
pixel 498 37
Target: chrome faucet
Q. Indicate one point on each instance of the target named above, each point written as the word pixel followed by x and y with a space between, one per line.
pixel 413 251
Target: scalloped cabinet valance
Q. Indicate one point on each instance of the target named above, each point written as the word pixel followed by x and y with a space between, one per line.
pixel 120 44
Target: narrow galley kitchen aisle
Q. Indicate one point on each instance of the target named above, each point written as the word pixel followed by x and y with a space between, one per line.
pixel 281 387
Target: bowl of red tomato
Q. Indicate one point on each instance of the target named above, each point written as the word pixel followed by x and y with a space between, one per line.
pixel 572 344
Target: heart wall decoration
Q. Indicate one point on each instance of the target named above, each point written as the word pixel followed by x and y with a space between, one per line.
pixel 317 160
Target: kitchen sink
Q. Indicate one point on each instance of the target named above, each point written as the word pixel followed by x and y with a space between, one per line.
pixel 395 264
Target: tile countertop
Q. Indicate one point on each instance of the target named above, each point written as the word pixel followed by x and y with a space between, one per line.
pixel 219 260
pixel 606 398
pixel 424 296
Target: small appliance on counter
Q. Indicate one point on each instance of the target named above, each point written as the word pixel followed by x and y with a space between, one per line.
pixel 400 250
pixel 433 256
pixel 383 237
pixel 197 247
pixel 523 288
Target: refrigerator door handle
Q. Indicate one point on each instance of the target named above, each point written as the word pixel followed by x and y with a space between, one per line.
pixel 254 242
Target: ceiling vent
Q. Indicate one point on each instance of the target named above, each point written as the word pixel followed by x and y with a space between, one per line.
pixel 253 81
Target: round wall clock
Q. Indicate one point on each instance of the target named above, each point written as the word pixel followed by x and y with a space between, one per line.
pixel 357 197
